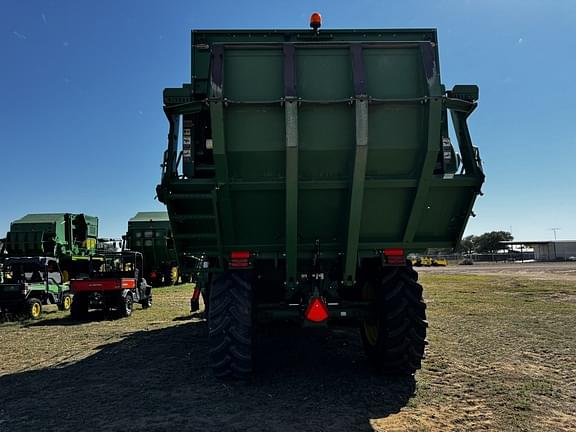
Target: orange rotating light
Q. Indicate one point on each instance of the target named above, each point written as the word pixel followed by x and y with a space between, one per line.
pixel 315 21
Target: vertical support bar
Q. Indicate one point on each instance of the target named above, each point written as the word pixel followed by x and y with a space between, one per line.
pixel 433 140
pixel 291 121
pixel 360 158
pixel 291 114
pixel 465 143
pixel 217 227
pixel 172 151
pixel 219 142
pixel 431 155
pixel 357 195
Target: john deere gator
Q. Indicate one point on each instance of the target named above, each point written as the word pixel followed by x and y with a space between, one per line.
pixel 302 166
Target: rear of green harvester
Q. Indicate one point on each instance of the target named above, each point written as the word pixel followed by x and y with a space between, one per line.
pixel 149 233
pixel 302 167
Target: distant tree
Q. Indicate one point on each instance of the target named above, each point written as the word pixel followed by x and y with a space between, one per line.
pixel 467 244
pixel 491 242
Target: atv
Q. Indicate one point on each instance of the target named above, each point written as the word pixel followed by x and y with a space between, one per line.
pixel 115 282
pixel 29 283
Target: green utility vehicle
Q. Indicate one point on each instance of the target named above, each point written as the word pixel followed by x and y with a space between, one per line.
pixel 28 283
pixel 302 167
pixel 150 234
pixel 115 281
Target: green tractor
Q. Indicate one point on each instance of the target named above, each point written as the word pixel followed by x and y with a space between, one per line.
pixel 302 167
pixel 27 284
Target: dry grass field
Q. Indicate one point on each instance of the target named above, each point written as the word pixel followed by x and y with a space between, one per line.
pixel 502 356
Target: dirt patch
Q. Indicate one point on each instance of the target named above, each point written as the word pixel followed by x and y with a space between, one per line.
pixel 495 362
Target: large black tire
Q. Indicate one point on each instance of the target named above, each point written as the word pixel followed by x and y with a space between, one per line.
pixel 230 326
pixel 65 303
pixel 395 340
pixel 79 307
pixel 126 305
pixel 147 301
pixel 33 308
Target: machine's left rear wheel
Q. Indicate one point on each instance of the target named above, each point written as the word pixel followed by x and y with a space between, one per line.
pixel 230 325
pixel 34 308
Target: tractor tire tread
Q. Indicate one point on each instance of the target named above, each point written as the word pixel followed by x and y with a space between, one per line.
pixel 230 326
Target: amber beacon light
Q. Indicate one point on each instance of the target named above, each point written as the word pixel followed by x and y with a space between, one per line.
pixel 315 21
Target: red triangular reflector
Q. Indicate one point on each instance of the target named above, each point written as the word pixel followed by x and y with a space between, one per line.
pixel 317 310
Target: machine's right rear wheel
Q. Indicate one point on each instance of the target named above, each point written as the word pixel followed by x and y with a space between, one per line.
pixel 230 325
pixel 126 305
pixel 395 339
pixel 65 302
pixel 147 302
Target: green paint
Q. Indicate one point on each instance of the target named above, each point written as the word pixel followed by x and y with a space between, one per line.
pixel 352 173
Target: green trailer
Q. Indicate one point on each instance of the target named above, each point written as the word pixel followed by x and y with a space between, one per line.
pixel 302 167
pixel 149 233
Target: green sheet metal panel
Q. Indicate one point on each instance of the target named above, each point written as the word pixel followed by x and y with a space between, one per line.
pixel 255 143
pixel 404 203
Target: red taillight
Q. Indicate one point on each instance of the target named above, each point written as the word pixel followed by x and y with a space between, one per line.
pixel 240 259
pixel 394 252
pixel 128 283
pixel 240 255
pixel 394 256
pixel 317 311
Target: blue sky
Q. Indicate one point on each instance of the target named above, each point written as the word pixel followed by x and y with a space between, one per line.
pixel 82 128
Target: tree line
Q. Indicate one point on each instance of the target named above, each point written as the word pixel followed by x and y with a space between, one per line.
pixel 489 242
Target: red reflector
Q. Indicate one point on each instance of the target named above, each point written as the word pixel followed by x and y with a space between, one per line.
pixel 394 252
pixel 317 311
pixel 240 255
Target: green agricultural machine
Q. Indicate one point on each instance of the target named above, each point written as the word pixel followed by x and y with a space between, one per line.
pixel 52 234
pixel 301 169
pixel 69 237
pixel 149 233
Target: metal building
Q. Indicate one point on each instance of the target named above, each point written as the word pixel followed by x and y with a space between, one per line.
pixel 554 250
pixel 549 250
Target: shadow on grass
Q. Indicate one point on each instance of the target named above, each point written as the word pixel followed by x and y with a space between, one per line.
pixel 67 320
pixel 160 380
